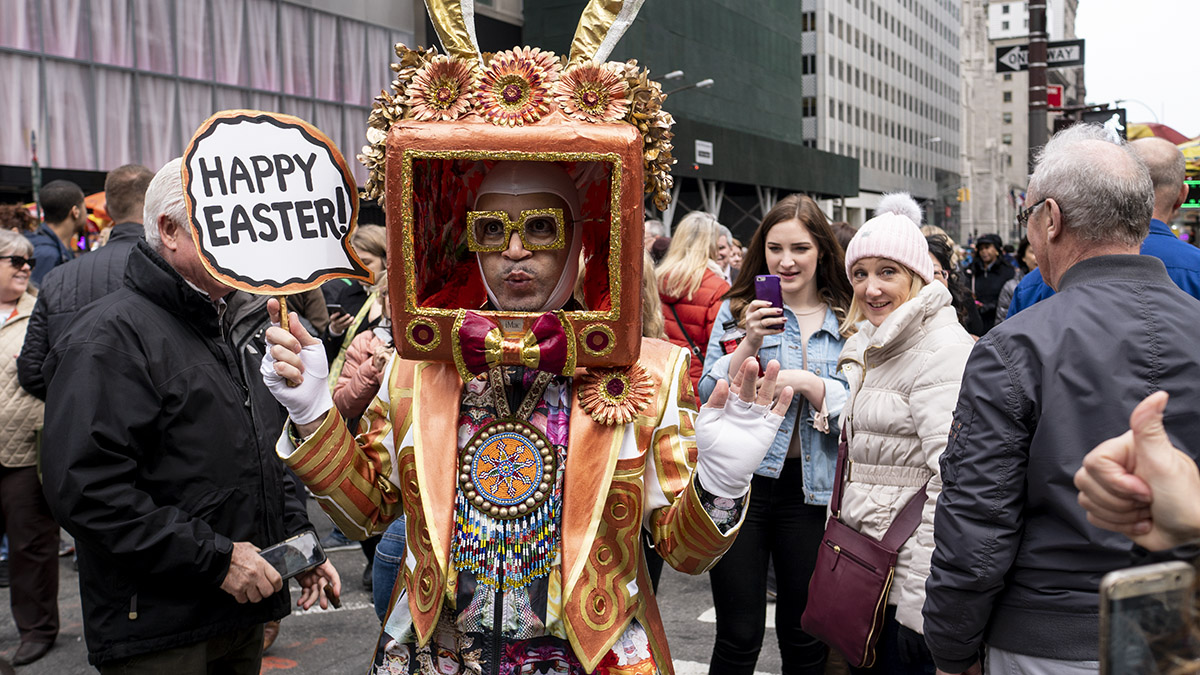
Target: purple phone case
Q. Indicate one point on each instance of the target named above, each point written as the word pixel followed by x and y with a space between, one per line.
pixel 766 287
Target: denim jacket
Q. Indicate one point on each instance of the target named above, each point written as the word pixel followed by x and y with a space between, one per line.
pixel 824 346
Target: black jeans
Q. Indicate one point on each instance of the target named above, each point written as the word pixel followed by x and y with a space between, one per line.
pixel 779 526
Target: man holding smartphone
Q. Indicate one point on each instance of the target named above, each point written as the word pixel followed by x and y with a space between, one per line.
pixel 164 470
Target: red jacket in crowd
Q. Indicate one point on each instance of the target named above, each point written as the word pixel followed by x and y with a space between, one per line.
pixel 696 314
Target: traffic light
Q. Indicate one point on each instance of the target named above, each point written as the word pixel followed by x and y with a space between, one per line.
pixel 964 194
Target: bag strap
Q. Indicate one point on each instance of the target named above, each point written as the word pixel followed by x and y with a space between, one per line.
pixel 905 523
pixel 695 350
pixel 839 475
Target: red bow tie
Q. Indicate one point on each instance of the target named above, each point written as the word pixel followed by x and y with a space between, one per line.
pixel 480 345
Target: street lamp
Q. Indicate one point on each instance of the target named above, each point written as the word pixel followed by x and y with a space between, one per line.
pixel 702 84
pixel 931 140
pixel 673 75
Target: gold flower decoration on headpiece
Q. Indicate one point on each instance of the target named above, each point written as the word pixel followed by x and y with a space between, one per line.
pixel 441 89
pixel 515 87
pixel 592 92
pixel 615 395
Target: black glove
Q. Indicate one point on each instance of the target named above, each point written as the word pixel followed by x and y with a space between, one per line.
pixel 911 647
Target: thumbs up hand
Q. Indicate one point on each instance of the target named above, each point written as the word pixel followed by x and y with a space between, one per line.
pixel 1140 485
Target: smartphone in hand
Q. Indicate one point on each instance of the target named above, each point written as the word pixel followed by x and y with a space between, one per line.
pixel 766 287
pixel 296 555
pixel 335 308
pixel 1146 617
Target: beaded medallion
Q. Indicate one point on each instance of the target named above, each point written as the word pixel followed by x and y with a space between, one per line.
pixel 508 497
pixel 507 469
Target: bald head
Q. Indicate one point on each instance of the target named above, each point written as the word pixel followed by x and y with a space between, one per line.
pixel 1166 165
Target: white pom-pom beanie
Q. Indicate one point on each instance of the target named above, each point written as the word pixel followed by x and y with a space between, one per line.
pixel 895 237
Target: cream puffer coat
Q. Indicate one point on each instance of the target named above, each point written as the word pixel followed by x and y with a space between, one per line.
pixel 904 378
pixel 20 413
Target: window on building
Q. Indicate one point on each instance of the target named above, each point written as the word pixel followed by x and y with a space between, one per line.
pixel 1003 25
pixel 1006 139
pixel 1004 9
pixel 1008 77
pixel 831 22
pixel 809 106
pixel 1008 118
pixel 1008 97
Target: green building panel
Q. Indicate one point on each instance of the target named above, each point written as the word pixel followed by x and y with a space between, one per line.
pixel 752 114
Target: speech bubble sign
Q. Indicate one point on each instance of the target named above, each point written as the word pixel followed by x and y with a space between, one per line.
pixel 271 202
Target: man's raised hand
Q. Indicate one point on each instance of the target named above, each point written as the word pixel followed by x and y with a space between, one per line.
pixel 1140 485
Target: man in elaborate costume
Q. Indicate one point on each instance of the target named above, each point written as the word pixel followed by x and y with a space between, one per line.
pixel 526 431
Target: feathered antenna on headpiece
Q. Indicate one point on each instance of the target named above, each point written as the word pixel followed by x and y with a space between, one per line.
pixel 454 21
pixel 601 26
pixel 900 203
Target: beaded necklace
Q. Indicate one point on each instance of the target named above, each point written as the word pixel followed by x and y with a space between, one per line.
pixel 508 498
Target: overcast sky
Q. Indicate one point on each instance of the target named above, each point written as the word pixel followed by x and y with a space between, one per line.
pixel 1146 51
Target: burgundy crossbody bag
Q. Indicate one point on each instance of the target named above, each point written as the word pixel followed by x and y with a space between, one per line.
pixel 849 589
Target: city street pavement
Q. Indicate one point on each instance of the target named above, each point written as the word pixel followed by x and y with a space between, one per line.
pixel 339 642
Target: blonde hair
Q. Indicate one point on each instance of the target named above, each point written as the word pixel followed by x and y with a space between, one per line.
pixel 855 313
pixel 370 239
pixel 934 230
pixel 653 325
pixel 693 248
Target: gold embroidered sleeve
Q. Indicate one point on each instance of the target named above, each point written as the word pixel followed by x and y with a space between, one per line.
pixel 353 478
pixel 683 531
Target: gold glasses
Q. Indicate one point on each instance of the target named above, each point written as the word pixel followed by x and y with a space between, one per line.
pixel 540 230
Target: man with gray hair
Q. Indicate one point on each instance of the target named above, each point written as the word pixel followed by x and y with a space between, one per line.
pixel 164 467
pixel 1017 566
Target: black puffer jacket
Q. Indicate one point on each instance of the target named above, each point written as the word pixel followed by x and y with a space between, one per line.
pixel 164 456
pixel 67 289
pixel 1016 564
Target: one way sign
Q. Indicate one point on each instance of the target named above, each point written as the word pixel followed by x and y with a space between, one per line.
pixel 1058 55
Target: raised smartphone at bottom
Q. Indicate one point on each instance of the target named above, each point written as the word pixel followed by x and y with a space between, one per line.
pixel 1146 619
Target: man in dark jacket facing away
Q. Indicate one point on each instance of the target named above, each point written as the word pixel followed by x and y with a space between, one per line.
pixel 1017 566
pixel 71 286
pixel 164 467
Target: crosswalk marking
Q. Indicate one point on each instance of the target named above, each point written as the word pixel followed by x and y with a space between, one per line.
pixel 710 615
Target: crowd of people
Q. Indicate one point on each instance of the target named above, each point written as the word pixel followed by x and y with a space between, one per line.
pixel 992 387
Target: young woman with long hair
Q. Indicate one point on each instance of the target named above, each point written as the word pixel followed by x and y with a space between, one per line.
pixel 690 284
pixel 904 364
pixel 791 488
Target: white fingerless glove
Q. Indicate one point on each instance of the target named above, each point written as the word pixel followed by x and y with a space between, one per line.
pixel 311 400
pixel 731 442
